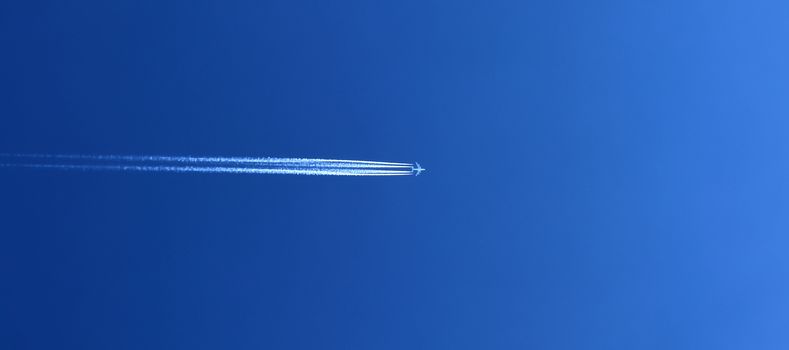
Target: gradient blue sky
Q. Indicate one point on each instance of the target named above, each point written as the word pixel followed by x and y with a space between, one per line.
pixel 608 174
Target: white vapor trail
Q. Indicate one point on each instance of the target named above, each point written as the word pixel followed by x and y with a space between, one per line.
pixel 214 169
pixel 230 165
pixel 316 162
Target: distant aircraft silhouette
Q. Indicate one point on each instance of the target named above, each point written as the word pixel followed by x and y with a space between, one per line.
pixel 417 168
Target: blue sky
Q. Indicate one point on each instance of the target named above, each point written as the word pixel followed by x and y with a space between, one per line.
pixel 600 175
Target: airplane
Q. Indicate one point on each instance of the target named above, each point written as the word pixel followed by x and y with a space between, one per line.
pixel 417 168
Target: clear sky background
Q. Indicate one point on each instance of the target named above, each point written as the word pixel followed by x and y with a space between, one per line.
pixel 601 174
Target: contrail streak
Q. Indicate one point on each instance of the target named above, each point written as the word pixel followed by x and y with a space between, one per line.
pixel 220 160
pixel 228 165
pixel 214 169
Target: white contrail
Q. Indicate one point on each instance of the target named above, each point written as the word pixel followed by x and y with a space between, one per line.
pixel 234 165
pixel 313 162
pixel 213 169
